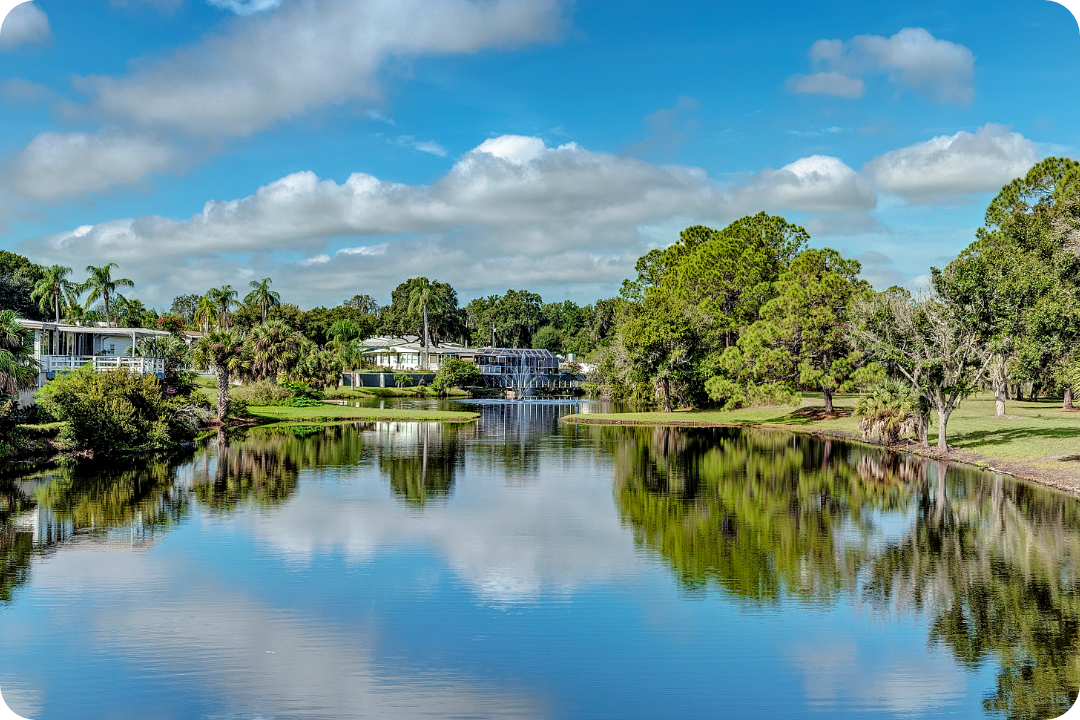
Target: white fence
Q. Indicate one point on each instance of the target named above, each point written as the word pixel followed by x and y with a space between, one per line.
pixel 102 363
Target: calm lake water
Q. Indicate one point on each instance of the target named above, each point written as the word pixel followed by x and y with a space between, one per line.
pixel 517 567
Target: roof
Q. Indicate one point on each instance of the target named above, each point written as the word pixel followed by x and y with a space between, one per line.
pixel 409 343
pixel 513 352
pixel 87 329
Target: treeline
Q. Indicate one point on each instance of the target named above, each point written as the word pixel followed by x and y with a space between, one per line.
pixel 750 315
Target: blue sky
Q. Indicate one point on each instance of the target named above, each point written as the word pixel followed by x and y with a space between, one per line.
pixel 340 146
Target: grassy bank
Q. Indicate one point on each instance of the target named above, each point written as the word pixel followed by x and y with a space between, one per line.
pixel 1036 440
pixel 341 413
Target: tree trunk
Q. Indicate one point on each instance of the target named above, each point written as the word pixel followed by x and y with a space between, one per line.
pixel 923 428
pixel 108 319
pixel 942 423
pixel 999 384
pixel 427 355
pixel 56 304
pixel 667 395
pixel 828 401
pixel 1068 405
pixel 223 399
pixel 1019 392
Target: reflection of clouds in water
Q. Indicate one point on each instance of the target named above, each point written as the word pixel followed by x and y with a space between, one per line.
pixel 313 669
pixel 18 699
pixel 905 684
pixel 508 542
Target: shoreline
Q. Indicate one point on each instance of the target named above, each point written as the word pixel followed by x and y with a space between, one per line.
pixel 1064 483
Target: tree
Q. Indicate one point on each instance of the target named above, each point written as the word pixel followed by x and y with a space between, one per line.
pixel 655 345
pixel 54 287
pixel 515 316
pixel 18 369
pixel 186 306
pixel 205 313
pixel 274 348
pixel 102 285
pixel 365 304
pixel 223 350
pixel 925 341
pixel 262 296
pixel 801 339
pixel 420 297
pixel 456 373
pixel 224 299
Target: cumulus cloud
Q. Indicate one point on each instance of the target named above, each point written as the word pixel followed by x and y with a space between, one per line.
pixel 510 212
pixel 940 70
pixel 818 183
pixel 26 24
pixel 826 83
pixel 60 166
pixel 945 167
pixel 270 67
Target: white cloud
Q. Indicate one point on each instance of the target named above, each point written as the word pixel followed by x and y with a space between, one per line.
pixel 826 83
pixel 60 166
pixel 818 183
pixel 510 213
pixel 270 67
pixel 26 24
pixel 939 70
pixel 940 169
pixel 425 146
pixel 244 7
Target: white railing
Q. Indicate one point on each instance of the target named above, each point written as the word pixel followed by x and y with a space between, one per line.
pixel 102 363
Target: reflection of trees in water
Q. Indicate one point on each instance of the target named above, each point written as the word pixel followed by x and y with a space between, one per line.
pixel 993 563
pixel 421 459
pixel 73 502
pixel 761 514
pixel 261 469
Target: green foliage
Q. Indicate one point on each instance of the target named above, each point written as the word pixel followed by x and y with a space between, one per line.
pixel 886 412
pixel 515 316
pixel 456 373
pixel 262 393
pixel 101 285
pixel 404 315
pixel 114 414
pixel 18 369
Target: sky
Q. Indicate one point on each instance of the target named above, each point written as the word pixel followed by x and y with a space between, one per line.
pixel 342 146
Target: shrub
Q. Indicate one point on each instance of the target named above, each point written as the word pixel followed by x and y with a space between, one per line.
pixel 886 412
pixel 730 395
pixel 456 373
pixel 263 392
pixel 115 414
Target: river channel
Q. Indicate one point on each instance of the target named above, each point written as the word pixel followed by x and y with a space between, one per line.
pixel 522 567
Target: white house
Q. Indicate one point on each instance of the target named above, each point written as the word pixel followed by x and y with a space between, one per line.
pixel 407 354
pixel 60 347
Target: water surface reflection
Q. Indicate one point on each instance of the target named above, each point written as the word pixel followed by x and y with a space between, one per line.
pixel 518 567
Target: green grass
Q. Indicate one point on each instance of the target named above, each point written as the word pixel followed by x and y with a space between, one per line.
pixel 1035 439
pixel 43 430
pixel 340 413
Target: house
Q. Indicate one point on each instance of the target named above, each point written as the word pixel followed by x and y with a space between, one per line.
pixel 407 354
pixel 60 348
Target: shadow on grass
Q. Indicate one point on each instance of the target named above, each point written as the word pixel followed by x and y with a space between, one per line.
pixel 808 416
pixel 969 440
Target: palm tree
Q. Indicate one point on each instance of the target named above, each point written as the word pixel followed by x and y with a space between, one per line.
pixel 206 312
pixel 53 286
pixel 422 296
pixel 262 296
pixel 224 351
pixel 102 285
pixel 275 348
pixel 224 298
pixel 18 369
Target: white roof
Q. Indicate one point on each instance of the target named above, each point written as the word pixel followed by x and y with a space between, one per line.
pixel 410 344
pixel 88 330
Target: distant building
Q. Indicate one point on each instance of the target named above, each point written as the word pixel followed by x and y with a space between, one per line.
pixel 407 354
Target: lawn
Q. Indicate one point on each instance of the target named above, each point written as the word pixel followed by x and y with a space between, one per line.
pixel 341 413
pixel 1036 440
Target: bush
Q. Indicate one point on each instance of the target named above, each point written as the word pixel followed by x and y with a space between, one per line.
pixel 115 414
pixel 262 392
pixel 886 412
pixel 456 373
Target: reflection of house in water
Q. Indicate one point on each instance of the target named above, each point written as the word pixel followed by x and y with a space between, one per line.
pixel 421 459
pixel 510 433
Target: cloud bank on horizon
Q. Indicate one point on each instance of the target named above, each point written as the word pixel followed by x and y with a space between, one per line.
pixel 885 146
pixel 518 210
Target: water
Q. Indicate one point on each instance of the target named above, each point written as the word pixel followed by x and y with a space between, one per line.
pixel 517 567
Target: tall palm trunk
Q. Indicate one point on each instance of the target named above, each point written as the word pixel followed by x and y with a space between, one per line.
pixel 56 303
pixel 427 355
pixel 223 398
pixel 108 318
